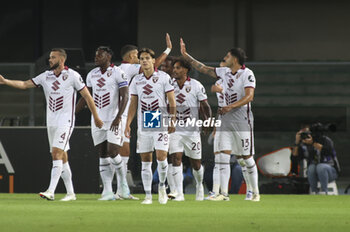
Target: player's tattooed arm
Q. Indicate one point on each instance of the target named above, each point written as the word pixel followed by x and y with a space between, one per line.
pixel 210 71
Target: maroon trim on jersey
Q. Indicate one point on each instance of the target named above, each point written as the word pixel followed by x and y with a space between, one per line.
pixel 134 95
pixel 125 62
pixel 111 65
pixel 204 100
pixel 187 79
pixel 148 77
pixel 251 132
pixel 217 77
pixel 169 91
pixel 82 88
pixel 69 134
pixel 34 83
pixel 247 87
pixel 243 67
pixel 65 68
pixel 73 110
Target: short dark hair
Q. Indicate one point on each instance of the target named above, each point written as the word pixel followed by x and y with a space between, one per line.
pixel 61 51
pixel 146 50
pixel 183 63
pixel 127 48
pixel 105 49
pixel 239 53
pixel 170 58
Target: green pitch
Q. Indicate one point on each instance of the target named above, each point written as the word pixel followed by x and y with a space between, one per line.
pixel 27 212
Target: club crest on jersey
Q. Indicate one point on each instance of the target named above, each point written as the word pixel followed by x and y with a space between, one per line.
pixel 64 76
pixel 188 89
pixel 109 73
pixel 155 79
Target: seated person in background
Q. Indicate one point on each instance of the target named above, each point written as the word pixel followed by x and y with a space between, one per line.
pixel 318 149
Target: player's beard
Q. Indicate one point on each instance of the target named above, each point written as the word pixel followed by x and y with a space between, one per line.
pixel 54 66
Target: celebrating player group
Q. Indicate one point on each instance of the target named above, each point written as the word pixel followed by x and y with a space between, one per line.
pixel 170 107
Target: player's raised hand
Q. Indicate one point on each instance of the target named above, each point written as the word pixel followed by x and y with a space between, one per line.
pixel 98 122
pixel 183 47
pixel 2 80
pixel 168 41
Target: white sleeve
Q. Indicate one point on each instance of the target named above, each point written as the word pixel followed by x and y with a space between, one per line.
pixel 78 82
pixel 249 80
pixel 201 94
pixel 121 78
pixel 220 72
pixel 38 80
pixel 88 80
pixel 168 83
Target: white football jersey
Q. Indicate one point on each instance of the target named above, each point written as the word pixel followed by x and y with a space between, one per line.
pixel 60 93
pixel 130 71
pixel 151 92
pixel 188 100
pixel 105 90
pixel 234 85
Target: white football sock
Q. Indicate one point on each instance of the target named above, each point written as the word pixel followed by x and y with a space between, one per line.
pixel 252 174
pixel 106 175
pixel 216 175
pixel 55 174
pixel 198 175
pixel 162 171
pixel 121 175
pixel 125 166
pixel 125 163
pixel 225 171
pixel 245 173
pixel 66 176
pixel 170 178
pixel 146 175
pixel 178 178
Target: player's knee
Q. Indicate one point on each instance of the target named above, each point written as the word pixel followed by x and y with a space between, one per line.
pixel 57 154
pixel 176 161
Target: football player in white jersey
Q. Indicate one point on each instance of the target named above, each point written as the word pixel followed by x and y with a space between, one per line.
pixel 108 84
pixel 150 91
pixel 60 85
pixel 236 131
pixel 167 66
pixel 131 66
pixel 217 88
pixel 190 100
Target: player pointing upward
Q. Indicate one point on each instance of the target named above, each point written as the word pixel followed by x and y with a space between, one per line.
pixel 236 131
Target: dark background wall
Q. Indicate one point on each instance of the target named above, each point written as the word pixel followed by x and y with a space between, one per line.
pixel 268 30
pixel 30 29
